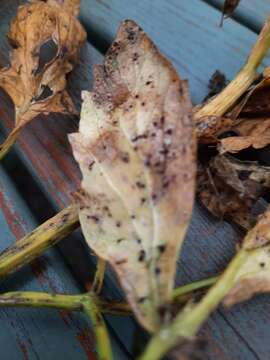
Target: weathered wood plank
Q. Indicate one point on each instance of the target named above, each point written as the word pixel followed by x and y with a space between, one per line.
pixel 39 334
pixel 187 32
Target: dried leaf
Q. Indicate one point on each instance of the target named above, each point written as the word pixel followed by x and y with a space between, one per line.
pixel 229 188
pixel 136 149
pixel 209 128
pixel 252 132
pixel 253 124
pixel 228 9
pixel 46 38
pixel 254 275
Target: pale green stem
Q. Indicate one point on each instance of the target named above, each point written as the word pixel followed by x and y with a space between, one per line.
pixel 188 322
pixel 99 276
pixel 34 244
pixel 102 337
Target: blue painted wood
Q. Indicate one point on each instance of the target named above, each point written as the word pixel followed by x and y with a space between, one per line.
pixel 39 333
pixel 187 32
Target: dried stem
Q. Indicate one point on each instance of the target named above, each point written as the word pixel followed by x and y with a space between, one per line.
pixel 7 144
pixel 91 308
pixel 187 322
pixel 226 99
pixel 99 276
pixel 39 240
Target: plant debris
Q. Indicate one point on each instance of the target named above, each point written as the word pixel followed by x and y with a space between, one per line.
pixel 46 38
pixel 228 9
pixel 253 277
pixel 136 149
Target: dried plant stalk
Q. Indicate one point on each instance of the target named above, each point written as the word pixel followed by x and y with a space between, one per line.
pixel 34 244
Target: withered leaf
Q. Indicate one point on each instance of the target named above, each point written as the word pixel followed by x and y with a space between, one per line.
pixel 136 149
pixel 228 188
pixel 252 128
pixel 251 132
pixel 228 8
pixel 253 277
pixel 46 38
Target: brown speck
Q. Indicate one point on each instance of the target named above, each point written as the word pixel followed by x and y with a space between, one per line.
pixel 262 264
pixel 142 299
pixel 141 255
pixel 125 158
pixel 161 248
pixel 143 103
pixel 148 83
pixel 120 262
pixel 154 197
pixel 140 185
pixel 91 165
pixel 157 270
pixel 133 217
pixel 137 96
pixel 93 217
pixel 143 200
pixel 168 132
pixel 118 224
pixel 120 240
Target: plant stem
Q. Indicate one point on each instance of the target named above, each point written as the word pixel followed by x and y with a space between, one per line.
pixel 102 337
pixel 39 240
pixel 225 100
pixel 99 276
pixel 187 322
pixel 7 144
pixel 196 285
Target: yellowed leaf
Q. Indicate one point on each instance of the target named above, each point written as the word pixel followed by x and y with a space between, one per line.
pixel 136 148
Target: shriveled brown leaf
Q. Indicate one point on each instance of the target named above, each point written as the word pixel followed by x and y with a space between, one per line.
pixel 136 149
pixel 254 275
pixel 229 8
pixel 228 188
pixel 252 127
pixel 46 38
pixel 252 132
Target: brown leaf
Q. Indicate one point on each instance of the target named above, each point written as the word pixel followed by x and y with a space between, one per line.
pixel 252 128
pixel 46 39
pixel 228 9
pixel 136 149
pixel 209 128
pixel 229 188
pixel 253 277
pixel 252 132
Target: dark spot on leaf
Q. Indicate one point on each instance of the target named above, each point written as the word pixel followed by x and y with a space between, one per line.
pixel 161 248
pixel 141 256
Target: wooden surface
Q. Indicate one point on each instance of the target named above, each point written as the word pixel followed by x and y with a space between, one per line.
pixel 188 33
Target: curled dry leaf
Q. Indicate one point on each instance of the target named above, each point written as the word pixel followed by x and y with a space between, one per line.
pixel 136 149
pixel 251 132
pixel 229 188
pixel 253 277
pixel 252 128
pixel 46 38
